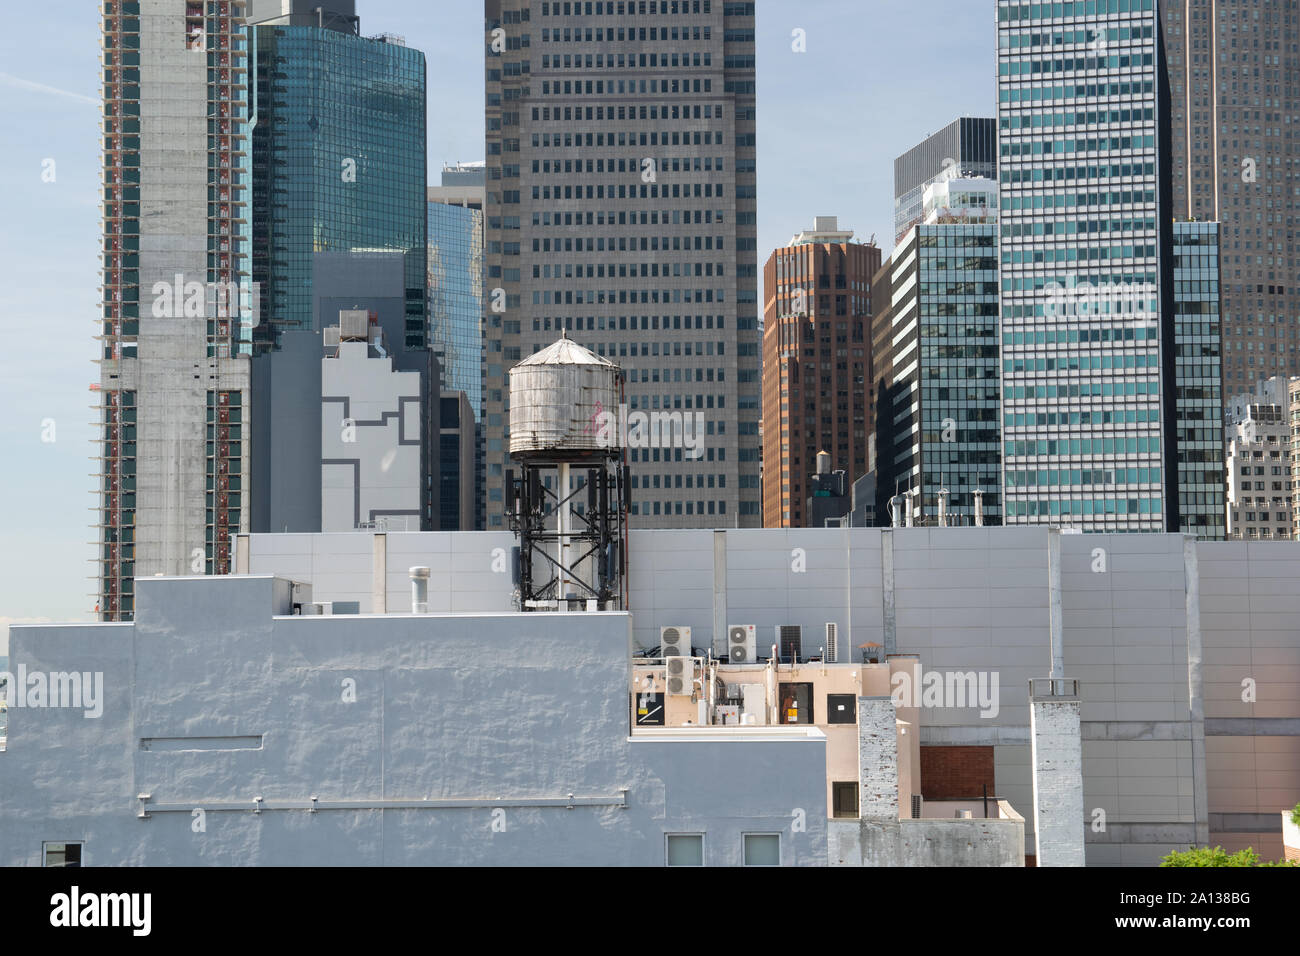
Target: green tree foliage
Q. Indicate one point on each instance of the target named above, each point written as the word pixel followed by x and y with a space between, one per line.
pixel 1218 856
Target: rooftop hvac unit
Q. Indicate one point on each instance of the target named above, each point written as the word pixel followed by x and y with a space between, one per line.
pixel 789 641
pixel 742 643
pixel 354 325
pixel 832 642
pixel 675 642
pixel 681 676
pixel 319 607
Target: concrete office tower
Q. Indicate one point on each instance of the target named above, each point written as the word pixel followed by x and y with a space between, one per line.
pixel 1088 377
pixel 339 225
pixel 966 147
pixel 1293 416
pixel 621 209
pixel 816 364
pixel 370 432
pixel 177 304
pixel 934 346
pixel 1259 468
pixel 455 285
pixel 1199 377
pixel 1235 88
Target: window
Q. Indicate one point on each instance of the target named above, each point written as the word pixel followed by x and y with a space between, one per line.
pixel 796 703
pixel 844 799
pixel 762 849
pixel 841 709
pixel 62 854
pixel 685 849
pixel 648 709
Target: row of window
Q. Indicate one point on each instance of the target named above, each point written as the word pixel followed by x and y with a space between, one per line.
pixel 1081 390
pixel 627 35
pixel 610 8
pixel 621 87
pixel 1076 363
pixel 1012 66
pixel 691 507
pixel 1059 174
pixel 1117 416
pixel 1084 506
pixel 1064 37
pixel 667 481
pixel 1084 476
pixel 1090 91
pixel 631 61
pixel 1082 446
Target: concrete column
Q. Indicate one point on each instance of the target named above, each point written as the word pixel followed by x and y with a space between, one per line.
pixel 1195 693
pixel 1056 624
pixel 720 648
pixel 889 618
pixel 379 575
pixel 877 760
pixel 241 554
pixel 1056 753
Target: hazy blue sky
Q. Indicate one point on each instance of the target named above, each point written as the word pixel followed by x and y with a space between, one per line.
pixel 877 77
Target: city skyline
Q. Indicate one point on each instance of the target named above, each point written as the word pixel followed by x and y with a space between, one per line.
pixel 51 86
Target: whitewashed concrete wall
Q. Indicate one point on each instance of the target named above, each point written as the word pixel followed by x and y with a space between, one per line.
pixel 976 599
pixel 211 700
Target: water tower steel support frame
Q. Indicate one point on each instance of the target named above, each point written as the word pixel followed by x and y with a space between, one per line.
pixel 550 561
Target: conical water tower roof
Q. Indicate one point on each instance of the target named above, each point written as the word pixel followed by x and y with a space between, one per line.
pixel 565 351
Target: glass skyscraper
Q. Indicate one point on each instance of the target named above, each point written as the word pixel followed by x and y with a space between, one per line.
pixel 1086 250
pixel 455 282
pixel 936 338
pixel 340 147
pixel 1199 406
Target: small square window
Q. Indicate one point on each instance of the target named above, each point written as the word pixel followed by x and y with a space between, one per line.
pixel 844 797
pixel 841 709
pixel 762 849
pixel 62 854
pixel 685 849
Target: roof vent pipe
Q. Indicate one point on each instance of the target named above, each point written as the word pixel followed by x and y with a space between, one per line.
pixel 896 511
pixel 419 590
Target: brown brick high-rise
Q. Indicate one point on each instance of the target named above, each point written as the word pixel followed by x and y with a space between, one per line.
pixel 816 364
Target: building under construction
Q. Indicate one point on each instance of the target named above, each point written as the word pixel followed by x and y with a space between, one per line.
pixel 177 304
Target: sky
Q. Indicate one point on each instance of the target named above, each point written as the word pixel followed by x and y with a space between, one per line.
pixel 877 77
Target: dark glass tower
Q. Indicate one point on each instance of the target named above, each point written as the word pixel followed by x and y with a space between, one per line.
pixel 339 144
pixel 937 410
pixel 1199 379
pixel 456 296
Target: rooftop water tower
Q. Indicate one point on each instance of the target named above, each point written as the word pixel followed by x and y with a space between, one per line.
pixel 569 502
